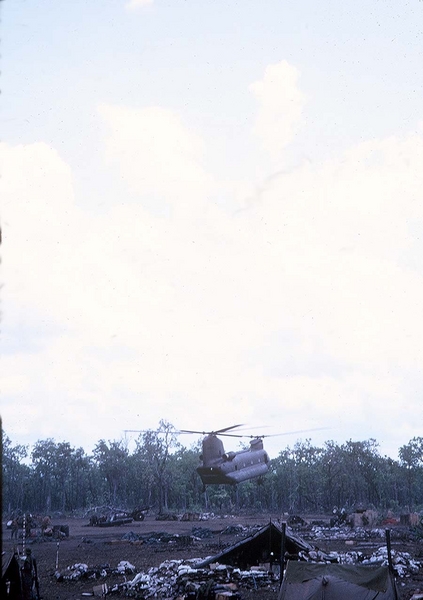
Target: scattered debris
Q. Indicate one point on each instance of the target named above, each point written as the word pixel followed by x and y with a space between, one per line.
pixel 404 565
pixel 202 532
pixel 132 537
pixel 251 563
pixel 167 517
pixel 125 567
pixel 296 520
pixel 233 530
pixel 82 571
pixel 190 516
pixel 181 578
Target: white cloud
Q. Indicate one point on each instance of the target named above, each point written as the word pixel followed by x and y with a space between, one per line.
pixel 135 4
pixel 302 310
pixel 341 239
pixel 281 104
pixel 156 154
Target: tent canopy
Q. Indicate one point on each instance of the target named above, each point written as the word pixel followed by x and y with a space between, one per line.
pixel 305 581
pixel 263 546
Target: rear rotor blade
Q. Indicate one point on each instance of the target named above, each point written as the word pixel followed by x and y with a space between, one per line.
pixel 260 437
pixel 293 432
pixel 221 432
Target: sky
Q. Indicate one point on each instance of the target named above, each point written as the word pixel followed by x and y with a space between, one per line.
pixel 212 214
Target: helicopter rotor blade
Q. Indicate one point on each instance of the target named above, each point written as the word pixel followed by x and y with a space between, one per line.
pixel 293 432
pixel 221 432
pixel 284 433
pixel 218 432
pixel 260 437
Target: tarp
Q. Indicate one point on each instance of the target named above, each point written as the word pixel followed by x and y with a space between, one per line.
pixel 10 586
pixel 305 581
pixel 263 546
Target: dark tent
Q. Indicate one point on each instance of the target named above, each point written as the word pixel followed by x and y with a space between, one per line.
pixel 10 577
pixel 263 546
pixel 305 581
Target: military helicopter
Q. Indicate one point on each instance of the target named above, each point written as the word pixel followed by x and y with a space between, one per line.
pixel 220 467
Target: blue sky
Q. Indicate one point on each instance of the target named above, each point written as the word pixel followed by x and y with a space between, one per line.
pixel 212 214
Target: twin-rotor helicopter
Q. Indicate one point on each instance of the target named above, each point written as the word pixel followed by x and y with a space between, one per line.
pixel 230 468
pixel 220 467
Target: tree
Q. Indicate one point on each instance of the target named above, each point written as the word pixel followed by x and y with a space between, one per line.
pixel 307 461
pixel 14 474
pixel 112 461
pixel 186 488
pixel 334 476
pixel 58 473
pixel 411 460
pixel 43 460
pixel 161 472
pixel 152 452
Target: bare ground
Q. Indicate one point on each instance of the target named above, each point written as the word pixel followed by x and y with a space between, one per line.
pixel 96 546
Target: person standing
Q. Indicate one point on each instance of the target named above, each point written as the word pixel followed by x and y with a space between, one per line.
pixel 45 525
pixel 29 577
pixel 15 529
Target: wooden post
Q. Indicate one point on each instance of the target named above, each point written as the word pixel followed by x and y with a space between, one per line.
pixel 283 544
pixel 388 547
pixel 270 546
pixel 57 555
pixel 390 563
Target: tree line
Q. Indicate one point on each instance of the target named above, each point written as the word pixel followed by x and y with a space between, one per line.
pixel 160 473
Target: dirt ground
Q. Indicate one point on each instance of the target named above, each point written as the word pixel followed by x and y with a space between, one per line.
pixel 96 546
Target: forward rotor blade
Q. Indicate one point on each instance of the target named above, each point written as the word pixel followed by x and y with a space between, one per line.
pixel 218 432
pixel 190 431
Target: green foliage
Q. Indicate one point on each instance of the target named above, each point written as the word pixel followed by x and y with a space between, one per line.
pixel 111 460
pixel 14 473
pixel 161 473
pixel 411 461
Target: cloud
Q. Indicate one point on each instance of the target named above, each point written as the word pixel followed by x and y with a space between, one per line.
pixel 135 4
pixel 340 247
pixel 156 154
pixel 302 310
pixel 281 104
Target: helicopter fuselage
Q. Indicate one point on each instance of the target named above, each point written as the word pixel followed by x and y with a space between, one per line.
pixel 220 467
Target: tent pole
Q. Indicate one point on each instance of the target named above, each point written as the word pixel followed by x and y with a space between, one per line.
pixel 388 547
pixel 390 563
pixel 270 545
pixel 283 544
